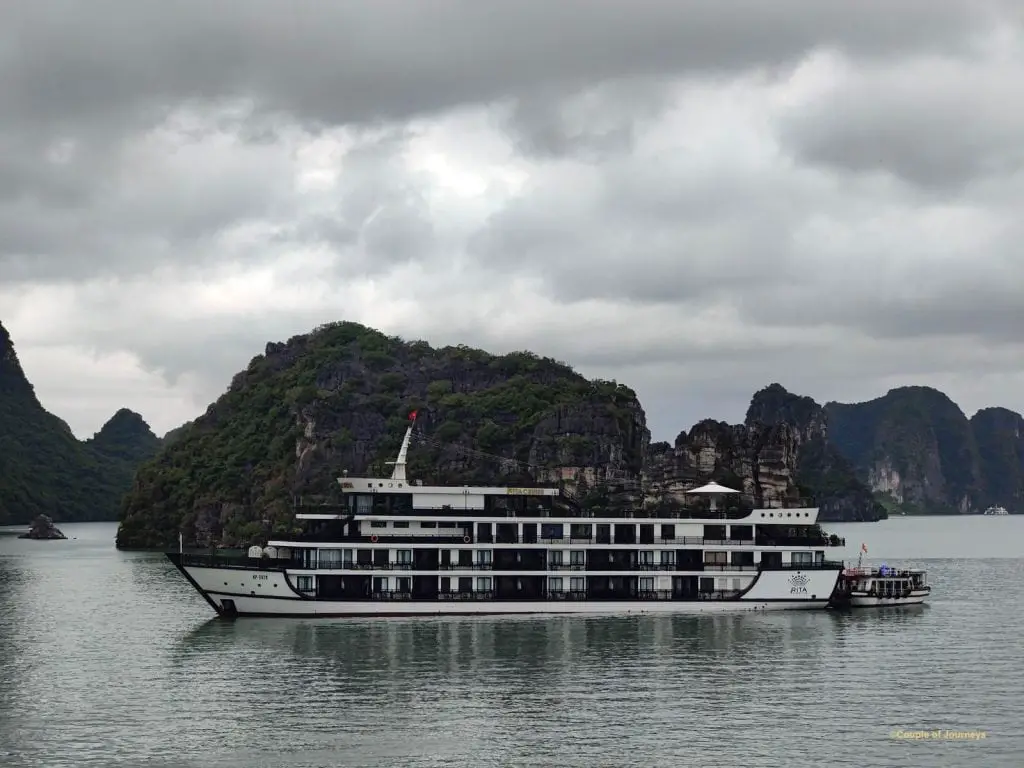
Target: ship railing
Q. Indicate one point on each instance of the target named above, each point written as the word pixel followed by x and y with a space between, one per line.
pixel 799 541
pixel 541 514
pixel 820 565
pixel 196 560
pixel 731 567
pixel 461 538
pixel 465 595
pixel 466 567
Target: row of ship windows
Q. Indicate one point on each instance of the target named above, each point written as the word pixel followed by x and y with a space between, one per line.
pixel 455 525
pixel 362 504
pixel 343 557
pixel 485 584
pixel 557 530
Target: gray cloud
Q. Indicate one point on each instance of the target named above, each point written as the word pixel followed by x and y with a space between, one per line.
pixel 935 123
pixel 692 198
pixel 342 62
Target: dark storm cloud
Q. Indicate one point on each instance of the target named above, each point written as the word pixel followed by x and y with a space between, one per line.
pixel 938 124
pixel 87 79
pixel 648 230
pixel 598 122
pixel 379 217
pixel 137 135
pixel 350 62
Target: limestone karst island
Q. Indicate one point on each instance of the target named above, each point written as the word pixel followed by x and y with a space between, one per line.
pixel 340 396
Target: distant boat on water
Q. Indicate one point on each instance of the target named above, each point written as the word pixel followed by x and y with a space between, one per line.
pixel 996 511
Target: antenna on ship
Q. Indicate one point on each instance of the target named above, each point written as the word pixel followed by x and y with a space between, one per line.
pixel 398 473
pixel 713 491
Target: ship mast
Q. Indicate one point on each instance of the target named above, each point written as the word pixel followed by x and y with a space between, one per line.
pixel 398 473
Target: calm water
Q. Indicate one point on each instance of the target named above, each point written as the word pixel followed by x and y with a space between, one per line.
pixel 110 659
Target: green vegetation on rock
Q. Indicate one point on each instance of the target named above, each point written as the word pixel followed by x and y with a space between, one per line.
pixel 339 399
pixel 45 470
pixel 915 446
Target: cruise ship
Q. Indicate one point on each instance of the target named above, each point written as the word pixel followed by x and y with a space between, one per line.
pixel 401 548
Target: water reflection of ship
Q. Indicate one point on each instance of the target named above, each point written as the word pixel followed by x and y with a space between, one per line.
pixel 515 648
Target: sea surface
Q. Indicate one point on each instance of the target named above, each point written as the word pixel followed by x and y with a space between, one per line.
pixel 110 659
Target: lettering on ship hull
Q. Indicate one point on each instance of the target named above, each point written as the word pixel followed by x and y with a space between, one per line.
pixel 798 584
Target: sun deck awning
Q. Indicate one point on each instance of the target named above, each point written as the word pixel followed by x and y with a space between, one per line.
pixel 711 488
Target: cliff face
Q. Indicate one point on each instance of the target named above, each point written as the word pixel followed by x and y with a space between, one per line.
pixel 999 436
pixel 45 470
pixel 780 454
pixel 917 449
pixel 339 399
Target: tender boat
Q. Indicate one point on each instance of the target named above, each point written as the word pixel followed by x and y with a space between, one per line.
pixel 880 587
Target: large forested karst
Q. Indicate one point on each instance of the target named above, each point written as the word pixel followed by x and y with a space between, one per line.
pixel 999 437
pixel 921 454
pixel 46 470
pixel 339 399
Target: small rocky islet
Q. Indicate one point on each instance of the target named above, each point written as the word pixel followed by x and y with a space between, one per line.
pixel 42 529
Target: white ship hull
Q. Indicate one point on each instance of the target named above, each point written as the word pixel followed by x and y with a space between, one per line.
pixel 246 592
pixel 916 597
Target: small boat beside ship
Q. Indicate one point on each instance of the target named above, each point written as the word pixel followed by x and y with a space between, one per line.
pixel 880 586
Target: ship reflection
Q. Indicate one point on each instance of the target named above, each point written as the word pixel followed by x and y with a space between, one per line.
pixel 474 646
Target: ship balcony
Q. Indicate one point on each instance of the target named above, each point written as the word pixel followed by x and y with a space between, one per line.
pixel 461 538
pixel 268 564
pixel 765 540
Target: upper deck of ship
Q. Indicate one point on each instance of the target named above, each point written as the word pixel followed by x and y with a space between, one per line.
pixel 413 499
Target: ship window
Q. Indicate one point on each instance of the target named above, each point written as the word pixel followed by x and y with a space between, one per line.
pixel 718 558
pixel 802 558
pixel 404 584
pixel 401 524
pixel 379 583
pixel 330 558
pixel 304 583
pixel 647 584
pixel 577 585
pixel 550 531
pixel 646 557
pixel 577 557
pixel 668 557
pixel 483 584
pixel 555 584
pixel 378 524
pixel 428 524
pixel 555 557
pixel 580 531
pixel 483 556
pixel 403 556
pixel 364 502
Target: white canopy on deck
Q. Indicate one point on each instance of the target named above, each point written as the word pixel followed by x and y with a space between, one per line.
pixel 712 488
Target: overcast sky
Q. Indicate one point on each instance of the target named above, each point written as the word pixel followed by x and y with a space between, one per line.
pixel 694 198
